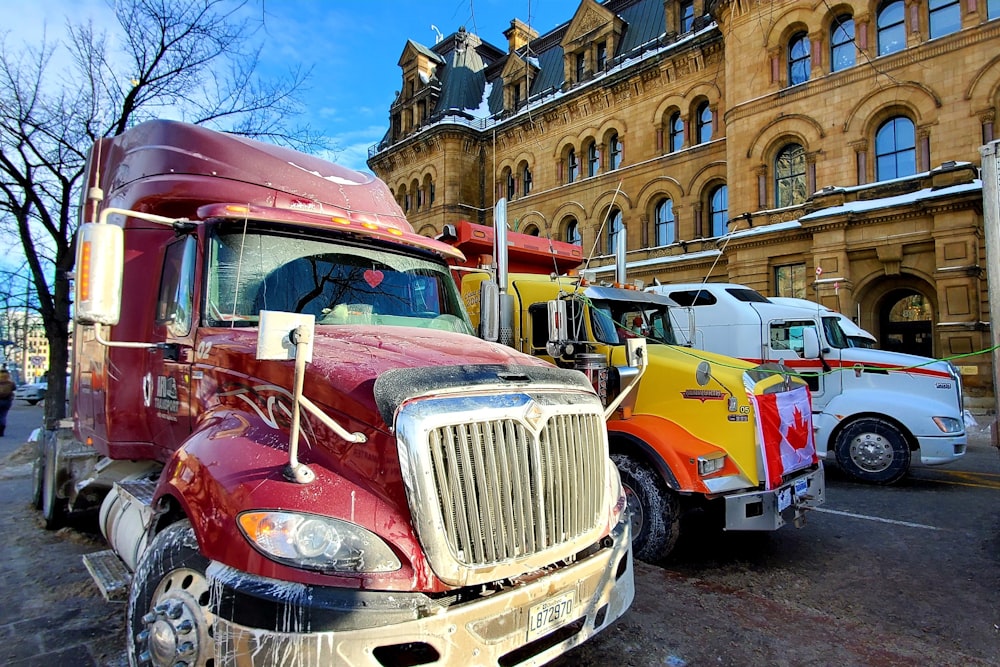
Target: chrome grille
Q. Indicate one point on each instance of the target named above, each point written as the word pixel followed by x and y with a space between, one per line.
pixel 504 493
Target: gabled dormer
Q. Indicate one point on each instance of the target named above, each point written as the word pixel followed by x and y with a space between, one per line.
pixel 518 75
pixel 421 88
pixel 590 42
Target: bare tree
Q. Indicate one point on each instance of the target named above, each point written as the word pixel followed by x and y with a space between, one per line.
pixel 193 60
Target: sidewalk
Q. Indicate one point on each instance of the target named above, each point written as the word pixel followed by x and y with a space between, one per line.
pixel 51 613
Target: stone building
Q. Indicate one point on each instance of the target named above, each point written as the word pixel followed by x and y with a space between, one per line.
pixel 819 150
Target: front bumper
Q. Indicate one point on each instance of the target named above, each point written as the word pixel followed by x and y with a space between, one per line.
pixel 937 450
pixel 262 622
pixel 770 510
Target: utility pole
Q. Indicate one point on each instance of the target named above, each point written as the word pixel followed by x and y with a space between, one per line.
pixel 991 223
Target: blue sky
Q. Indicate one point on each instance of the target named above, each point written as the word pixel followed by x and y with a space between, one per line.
pixel 352 47
pixel 355 48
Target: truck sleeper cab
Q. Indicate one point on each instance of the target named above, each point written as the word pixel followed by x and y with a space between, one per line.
pixel 876 412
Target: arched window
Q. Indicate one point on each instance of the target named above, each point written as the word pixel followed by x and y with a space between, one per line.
pixel 593 159
pixel 571 166
pixel 615 152
pixel 428 190
pixel 526 180
pixel 511 185
pixel 718 210
pixel 531 230
pixel 895 149
pixel 663 231
pixel 891 28
pixel 945 17
pixel 790 176
pixel 704 123
pixel 573 233
pixel 677 131
pixel 614 229
pixel 799 60
pixel 842 51
pixel 415 199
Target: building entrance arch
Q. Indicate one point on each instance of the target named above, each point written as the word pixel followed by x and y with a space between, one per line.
pixel 906 322
pixel 900 311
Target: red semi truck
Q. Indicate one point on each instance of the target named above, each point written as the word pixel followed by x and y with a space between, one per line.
pixel 302 455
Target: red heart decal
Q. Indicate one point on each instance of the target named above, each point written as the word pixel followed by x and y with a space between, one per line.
pixel 373 277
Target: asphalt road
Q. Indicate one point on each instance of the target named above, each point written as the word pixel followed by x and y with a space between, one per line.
pixel 882 576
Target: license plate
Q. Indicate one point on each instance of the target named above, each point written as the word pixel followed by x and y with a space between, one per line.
pixel 550 614
pixel 784 498
pixel 801 487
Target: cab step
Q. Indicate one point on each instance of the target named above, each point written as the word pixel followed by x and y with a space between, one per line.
pixel 109 573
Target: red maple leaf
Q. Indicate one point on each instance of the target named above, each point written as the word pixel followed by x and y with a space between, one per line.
pixel 798 432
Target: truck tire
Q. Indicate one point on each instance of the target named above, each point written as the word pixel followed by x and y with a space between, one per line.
pixel 53 507
pixel 169 621
pixel 654 509
pixel 37 474
pixel 873 450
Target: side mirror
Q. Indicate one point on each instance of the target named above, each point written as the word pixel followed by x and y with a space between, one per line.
pixel 489 311
pixel 558 331
pixel 810 343
pixel 100 262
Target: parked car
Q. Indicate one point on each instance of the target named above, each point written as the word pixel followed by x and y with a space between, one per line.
pixel 32 393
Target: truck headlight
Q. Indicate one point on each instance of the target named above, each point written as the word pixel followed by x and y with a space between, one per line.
pixel 948 424
pixel 711 464
pixel 317 542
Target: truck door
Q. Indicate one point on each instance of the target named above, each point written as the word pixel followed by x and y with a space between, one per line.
pixel 166 385
pixel 786 344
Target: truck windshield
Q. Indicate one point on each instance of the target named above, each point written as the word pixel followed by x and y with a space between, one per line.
pixel 614 321
pixel 341 283
pixel 835 336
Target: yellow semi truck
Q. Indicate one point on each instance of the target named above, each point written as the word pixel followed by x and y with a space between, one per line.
pixel 700 430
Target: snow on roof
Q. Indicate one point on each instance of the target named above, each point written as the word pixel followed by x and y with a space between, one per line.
pixel 659 261
pixel 924 194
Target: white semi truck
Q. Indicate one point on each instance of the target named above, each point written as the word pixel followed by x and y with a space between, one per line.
pixel 875 412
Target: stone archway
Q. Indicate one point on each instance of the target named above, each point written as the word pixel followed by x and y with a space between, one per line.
pixel 906 319
pixel 900 311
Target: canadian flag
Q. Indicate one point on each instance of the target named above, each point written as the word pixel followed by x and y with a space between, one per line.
pixel 784 423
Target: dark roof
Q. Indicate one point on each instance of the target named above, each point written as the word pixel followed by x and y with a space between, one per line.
pixel 467 65
pixel 463 78
pixel 467 71
pixel 425 51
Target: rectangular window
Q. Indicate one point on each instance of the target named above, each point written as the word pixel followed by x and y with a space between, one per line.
pixel 945 17
pixel 602 56
pixel 790 280
pixel 687 16
pixel 580 63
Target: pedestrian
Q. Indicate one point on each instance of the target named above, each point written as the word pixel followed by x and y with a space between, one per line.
pixel 6 396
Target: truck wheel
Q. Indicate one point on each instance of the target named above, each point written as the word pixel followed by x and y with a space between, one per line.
pixel 654 509
pixel 37 474
pixel 53 507
pixel 169 621
pixel 873 450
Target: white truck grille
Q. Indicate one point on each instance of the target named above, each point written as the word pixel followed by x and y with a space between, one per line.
pixel 500 484
pixel 504 493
